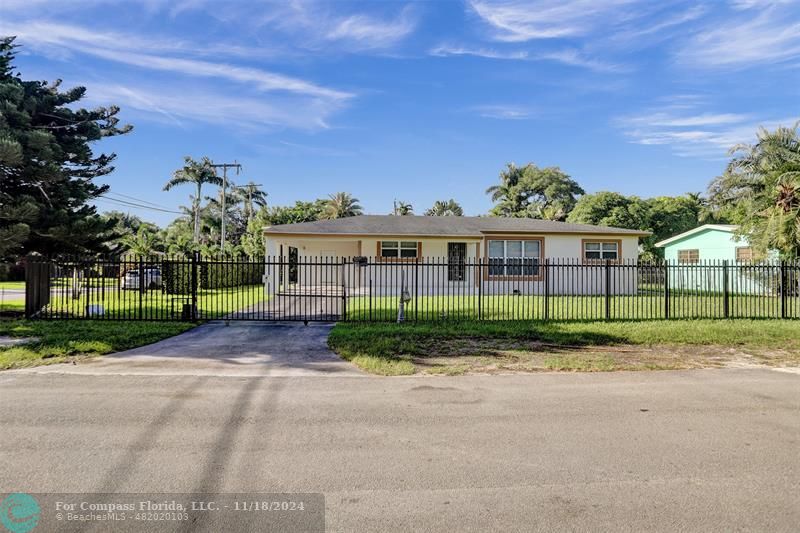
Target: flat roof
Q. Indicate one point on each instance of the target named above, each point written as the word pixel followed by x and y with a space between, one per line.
pixel 441 226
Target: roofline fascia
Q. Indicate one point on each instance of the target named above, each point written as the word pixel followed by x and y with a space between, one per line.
pixel 721 227
pixel 453 236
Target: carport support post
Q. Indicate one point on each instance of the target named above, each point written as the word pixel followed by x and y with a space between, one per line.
pixel 725 290
pixel 195 258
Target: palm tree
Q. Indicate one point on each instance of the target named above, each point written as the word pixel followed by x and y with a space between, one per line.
pixel 197 173
pixel 252 195
pixel 763 184
pixel 142 243
pixel 341 205
pixel 402 208
pixel 445 208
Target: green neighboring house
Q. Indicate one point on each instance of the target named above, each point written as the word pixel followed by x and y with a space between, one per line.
pixel 700 259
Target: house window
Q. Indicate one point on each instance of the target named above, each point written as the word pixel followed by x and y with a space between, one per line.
pixel 744 254
pixel 689 256
pixel 514 257
pixel 599 251
pixel 399 249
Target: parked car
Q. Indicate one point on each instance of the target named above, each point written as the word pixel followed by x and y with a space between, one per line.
pixel 151 277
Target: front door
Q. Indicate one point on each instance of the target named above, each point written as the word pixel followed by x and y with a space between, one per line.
pixel 456 258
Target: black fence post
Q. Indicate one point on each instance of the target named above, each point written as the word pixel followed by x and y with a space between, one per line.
pixel 608 288
pixel 783 288
pixel 344 290
pixel 546 278
pixel 666 288
pixel 480 288
pixel 725 290
pixel 141 287
pixel 416 289
pixel 195 260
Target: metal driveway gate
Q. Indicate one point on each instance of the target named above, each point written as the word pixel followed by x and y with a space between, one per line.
pixel 174 289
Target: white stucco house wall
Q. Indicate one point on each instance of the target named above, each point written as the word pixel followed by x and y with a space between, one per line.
pixel 438 254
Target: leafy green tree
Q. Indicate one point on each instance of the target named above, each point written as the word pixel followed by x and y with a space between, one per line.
pixel 664 216
pixel 341 205
pixel 47 166
pixel 402 209
pixel 533 192
pixel 445 208
pixel 607 208
pixel 197 173
pixel 761 186
pixel 299 212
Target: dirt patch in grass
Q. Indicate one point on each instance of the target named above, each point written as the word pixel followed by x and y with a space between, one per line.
pixel 480 355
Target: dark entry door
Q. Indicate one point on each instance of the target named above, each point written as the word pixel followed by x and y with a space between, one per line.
pixel 456 258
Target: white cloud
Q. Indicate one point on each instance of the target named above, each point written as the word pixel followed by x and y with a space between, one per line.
pixel 518 21
pixel 576 59
pixel 179 104
pixel 570 57
pixel 445 50
pixel 505 112
pixel 750 4
pixel 313 25
pixel 366 32
pixel 693 133
pixel 770 37
pixel 127 49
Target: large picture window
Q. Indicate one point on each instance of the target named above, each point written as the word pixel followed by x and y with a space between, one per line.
pixel 514 257
pixel 600 251
pixel 399 249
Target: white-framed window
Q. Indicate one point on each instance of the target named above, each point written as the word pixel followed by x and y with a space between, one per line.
pixel 514 257
pixel 399 249
pixel 599 251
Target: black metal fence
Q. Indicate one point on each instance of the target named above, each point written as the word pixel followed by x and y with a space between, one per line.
pixel 377 289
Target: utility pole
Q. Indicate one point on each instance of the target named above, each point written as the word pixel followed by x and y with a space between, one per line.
pixel 225 167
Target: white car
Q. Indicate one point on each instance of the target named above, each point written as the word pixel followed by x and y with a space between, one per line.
pixel 150 275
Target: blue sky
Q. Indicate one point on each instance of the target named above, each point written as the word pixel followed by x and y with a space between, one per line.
pixel 420 101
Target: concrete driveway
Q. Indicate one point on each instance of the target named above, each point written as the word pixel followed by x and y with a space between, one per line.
pixel 703 450
pixel 214 349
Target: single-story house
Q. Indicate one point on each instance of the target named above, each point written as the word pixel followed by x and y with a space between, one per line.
pixel 697 258
pixel 513 250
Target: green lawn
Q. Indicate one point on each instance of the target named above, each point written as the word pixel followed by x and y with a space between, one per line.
pixel 14 305
pixel 392 349
pixel 12 285
pixel 532 307
pixel 154 304
pixel 63 339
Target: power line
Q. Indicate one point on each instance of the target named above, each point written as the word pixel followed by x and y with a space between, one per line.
pixel 140 200
pixel 104 198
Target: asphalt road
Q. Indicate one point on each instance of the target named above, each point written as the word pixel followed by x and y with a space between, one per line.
pixel 707 450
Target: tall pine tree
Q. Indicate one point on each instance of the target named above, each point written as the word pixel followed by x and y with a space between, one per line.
pixel 47 166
